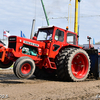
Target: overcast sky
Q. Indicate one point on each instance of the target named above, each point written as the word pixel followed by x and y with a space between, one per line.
pixel 17 15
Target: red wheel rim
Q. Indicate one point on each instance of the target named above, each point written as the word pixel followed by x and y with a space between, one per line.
pixel 79 65
pixel 26 68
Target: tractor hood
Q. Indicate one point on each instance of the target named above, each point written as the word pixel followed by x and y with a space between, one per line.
pixel 20 40
pixel 25 46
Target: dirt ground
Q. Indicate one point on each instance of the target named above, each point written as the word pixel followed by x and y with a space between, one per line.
pixel 12 88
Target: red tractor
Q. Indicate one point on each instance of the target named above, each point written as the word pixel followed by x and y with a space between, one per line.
pixel 52 49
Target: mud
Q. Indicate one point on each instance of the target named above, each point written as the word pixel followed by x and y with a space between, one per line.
pixel 12 88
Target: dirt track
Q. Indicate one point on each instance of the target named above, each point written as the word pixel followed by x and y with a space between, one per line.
pixel 36 89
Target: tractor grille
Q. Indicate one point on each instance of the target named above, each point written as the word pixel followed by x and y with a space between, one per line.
pixel 12 42
pixel 1 54
pixel 12 45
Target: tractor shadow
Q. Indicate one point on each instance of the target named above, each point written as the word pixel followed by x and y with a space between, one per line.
pixel 56 79
pixel 8 77
pixel 11 82
pixel 44 78
pixel 49 79
pixel 12 79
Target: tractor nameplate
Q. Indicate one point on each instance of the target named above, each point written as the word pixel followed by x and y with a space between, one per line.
pixel 26 42
pixel 12 39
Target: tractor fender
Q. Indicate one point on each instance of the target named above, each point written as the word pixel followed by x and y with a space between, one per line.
pixel 69 45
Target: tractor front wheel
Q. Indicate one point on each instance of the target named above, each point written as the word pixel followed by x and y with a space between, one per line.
pixel 24 67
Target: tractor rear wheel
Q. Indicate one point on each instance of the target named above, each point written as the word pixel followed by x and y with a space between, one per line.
pixel 6 64
pixel 74 66
pixel 24 67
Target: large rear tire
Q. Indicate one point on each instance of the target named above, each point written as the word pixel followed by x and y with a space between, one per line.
pixel 24 67
pixel 74 66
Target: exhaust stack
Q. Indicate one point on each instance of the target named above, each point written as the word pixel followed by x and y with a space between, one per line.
pixel 32 30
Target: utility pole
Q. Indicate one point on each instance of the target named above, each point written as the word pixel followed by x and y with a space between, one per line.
pixel 45 13
pixel 76 17
pixel 76 27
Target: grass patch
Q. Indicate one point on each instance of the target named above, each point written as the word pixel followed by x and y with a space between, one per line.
pixel 11 66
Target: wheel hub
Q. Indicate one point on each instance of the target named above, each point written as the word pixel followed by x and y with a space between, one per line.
pixel 26 68
pixel 79 65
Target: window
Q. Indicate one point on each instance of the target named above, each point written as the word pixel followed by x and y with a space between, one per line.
pixel 71 38
pixel 59 36
pixel 45 34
